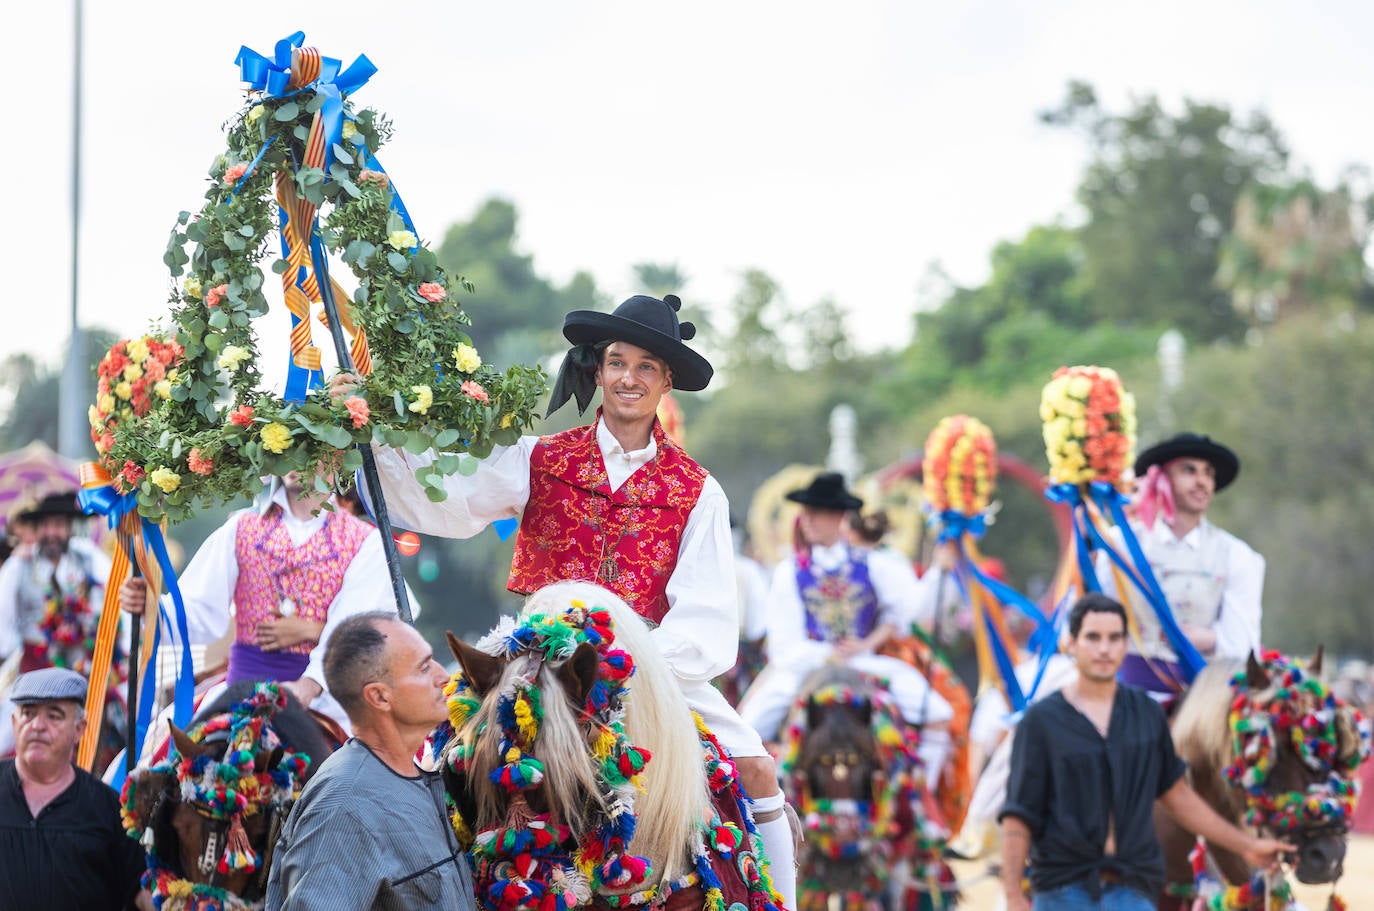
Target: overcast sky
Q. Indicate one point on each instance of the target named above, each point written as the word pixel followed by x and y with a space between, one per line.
pixel 841 147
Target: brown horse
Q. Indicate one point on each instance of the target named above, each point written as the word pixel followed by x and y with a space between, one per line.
pixel 211 812
pixel 1267 746
pixel 850 767
pixel 572 780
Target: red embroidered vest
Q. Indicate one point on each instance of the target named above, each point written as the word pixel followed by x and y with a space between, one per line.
pixel 575 528
pixel 272 568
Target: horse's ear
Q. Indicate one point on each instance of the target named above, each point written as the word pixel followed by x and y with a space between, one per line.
pixel 578 673
pixel 481 670
pixel 1314 667
pixel 186 747
pixel 1255 675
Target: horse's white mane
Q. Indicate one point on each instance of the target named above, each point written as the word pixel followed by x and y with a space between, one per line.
pixel 658 719
pixel 1201 735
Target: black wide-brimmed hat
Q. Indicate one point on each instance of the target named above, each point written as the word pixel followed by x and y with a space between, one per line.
pixel 1191 446
pixel 826 491
pixel 54 504
pixel 647 322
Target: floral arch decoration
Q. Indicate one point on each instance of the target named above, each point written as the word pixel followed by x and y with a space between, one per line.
pixel 300 163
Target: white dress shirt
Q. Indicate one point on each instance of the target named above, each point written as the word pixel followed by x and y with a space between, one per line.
pixel 207 585
pixel 699 634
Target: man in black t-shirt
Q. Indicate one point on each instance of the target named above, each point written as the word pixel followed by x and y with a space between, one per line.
pixel 62 845
pixel 1087 766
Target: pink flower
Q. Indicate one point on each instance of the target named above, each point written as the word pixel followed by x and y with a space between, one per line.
pixel 357 410
pixel 242 416
pixel 215 295
pixel 369 176
pixel 234 172
pixel 131 474
pixel 433 291
pixel 473 390
pixel 198 464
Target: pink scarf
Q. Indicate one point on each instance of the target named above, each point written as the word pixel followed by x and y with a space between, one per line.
pixel 1155 496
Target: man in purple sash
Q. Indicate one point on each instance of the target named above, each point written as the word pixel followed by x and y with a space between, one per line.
pixel 835 602
pixel 292 572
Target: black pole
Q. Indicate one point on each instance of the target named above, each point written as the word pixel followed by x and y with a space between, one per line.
pixel 131 694
pixel 374 484
pixel 934 636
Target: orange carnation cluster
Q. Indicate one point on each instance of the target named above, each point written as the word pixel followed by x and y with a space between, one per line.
pixel 960 466
pixel 132 376
pixel 1089 425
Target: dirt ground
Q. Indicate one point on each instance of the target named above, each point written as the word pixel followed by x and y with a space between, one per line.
pixel 1356 887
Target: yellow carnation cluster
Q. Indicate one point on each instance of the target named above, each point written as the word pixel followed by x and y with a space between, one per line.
pixel 1089 425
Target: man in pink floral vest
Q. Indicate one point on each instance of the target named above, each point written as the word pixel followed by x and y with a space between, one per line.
pixel 618 503
pixel 292 572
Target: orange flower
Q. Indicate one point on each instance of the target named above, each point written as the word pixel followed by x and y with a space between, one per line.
pixel 234 173
pixel 215 295
pixel 357 410
pixel 473 390
pixel 198 464
pixel 242 416
pixel 432 291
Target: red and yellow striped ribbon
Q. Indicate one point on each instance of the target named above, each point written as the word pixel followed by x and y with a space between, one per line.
pixel 128 540
pixel 358 349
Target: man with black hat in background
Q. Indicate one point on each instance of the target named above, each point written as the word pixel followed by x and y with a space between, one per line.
pixel 1212 580
pixel 62 844
pixel 71 570
pixel 617 502
pixel 831 601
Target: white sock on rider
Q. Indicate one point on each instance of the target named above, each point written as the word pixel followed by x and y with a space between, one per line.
pixel 933 750
pixel 777 844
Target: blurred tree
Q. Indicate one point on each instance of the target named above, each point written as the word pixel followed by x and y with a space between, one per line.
pixel 1158 196
pixel 516 314
pixel 32 392
pixel 755 312
pixel 1294 246
pixel 659 279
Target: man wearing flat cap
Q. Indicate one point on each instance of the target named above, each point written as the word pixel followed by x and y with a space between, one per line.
pixel 831 601
pixel 1212 580
pixel 617 502
pixel 62 844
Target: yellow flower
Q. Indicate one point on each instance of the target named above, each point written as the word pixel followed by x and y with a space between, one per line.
pixel 467 359
pixel 192 285
pixel 349 130
pixel 231 357
pixel 163 388
pixel 507 420
pixel 133 373
pixel 402 240
pixel 165 478
pixel 138 353
pixel 124 390
pixel 275 437
pixel 258 111
pixel 1080 386
pixel 172 375
pixel 93 415
pixel 106 403
pixel 423 399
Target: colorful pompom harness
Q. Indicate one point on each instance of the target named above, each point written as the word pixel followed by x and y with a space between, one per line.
pixel 229 789
pixel 1300 710
pixel 895 823
pixel 527 863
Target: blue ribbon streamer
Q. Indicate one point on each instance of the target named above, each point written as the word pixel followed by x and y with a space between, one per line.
pixel 108 502
pixel 1111 501
pixel 505 528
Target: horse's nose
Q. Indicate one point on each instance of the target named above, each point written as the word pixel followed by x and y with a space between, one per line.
pixel 1320 860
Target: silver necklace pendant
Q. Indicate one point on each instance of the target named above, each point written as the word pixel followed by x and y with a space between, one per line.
pixel 287 608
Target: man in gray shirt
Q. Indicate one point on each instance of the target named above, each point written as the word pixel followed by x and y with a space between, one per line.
pixel 370 830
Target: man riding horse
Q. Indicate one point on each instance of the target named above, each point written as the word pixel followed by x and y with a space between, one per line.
pixel 1212 579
